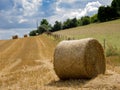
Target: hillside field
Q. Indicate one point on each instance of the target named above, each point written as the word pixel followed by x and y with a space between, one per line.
pixel 27 63
pixel 110 31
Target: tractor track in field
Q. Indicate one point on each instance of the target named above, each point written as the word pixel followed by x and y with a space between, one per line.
pixel 19 52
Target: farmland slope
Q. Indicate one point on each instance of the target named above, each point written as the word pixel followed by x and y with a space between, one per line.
pixel 109 31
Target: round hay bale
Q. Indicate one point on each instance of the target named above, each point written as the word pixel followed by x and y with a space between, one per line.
pixel 15 37
pixel 25 35
pixel 83 59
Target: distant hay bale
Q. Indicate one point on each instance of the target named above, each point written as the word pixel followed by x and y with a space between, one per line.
pixel 25 35
pixel 37 34
pixel 48 33
pixel 79 59
pixel 15 37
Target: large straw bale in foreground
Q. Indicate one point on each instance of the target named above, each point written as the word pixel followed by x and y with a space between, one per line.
pixel 79 59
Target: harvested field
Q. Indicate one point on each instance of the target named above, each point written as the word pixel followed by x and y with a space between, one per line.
pixel 26 64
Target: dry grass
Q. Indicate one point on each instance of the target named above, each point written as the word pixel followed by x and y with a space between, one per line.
pixel 25 64
pixel 18 59
pixel 110 31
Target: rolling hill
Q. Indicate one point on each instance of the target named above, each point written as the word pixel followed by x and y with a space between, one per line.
pixel 110 31
pixel 27 63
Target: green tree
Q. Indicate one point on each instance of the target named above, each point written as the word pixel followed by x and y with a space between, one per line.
pixel 101 14
pixel 111 13
pixel 106 13
pixel 74 22
pixel 57 26
pixel 79 22
pixel 33 33
pixel 69 23
pixel 44 21
pixel 116 5
pixel 66 24
pixel 85 20
pixel 44 26
pixel 94 18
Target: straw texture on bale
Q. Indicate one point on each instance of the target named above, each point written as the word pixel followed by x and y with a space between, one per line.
pixel 83 59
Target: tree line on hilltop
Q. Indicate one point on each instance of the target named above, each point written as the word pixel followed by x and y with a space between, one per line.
pixel 105 13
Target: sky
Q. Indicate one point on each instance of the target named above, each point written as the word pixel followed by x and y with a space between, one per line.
pixel 20 16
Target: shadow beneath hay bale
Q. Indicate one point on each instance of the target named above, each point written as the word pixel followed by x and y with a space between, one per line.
pixel 69 83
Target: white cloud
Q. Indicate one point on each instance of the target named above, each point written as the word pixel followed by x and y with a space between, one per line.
pixel 62 14
pixel 93 6
pixel 30 7
pixel 105 2
pixel 22 9
pixel 22 12
pixel 23 20
pixel 66 1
